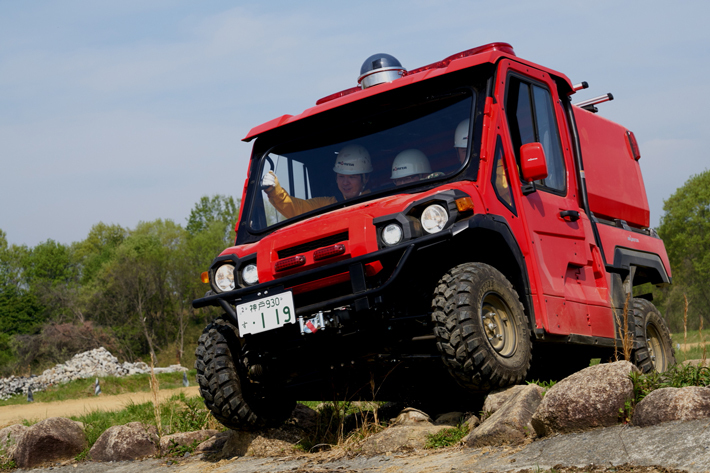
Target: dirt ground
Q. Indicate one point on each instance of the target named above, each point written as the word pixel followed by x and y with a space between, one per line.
pixel 41 410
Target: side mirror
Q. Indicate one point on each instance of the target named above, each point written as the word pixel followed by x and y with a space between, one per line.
pixel 532 162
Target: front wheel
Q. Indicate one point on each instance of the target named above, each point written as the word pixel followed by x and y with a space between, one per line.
pixel 654 350
pixel 232 398
pixel 481 328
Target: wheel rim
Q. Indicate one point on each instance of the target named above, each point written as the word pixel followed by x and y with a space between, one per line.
pixel 498 325
pixel 655 348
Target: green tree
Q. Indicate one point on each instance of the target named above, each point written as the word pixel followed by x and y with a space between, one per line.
pixel 218 208
pixel 98 248
pixel 20 310
pixel 685 229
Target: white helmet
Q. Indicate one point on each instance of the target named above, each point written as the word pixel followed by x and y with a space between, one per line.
pixel 353 159
pixel 461 135
pixel 410 162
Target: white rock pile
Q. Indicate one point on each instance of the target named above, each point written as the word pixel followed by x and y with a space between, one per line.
pixel 94 363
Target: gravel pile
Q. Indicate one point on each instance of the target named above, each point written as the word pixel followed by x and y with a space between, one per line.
pixel 94 363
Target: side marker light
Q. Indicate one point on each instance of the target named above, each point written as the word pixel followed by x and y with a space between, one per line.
pixel 464 204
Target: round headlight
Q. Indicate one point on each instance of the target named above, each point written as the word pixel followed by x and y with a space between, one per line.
pixel 392 234
pixel 249 274
pixel 224 277
pixel 434 218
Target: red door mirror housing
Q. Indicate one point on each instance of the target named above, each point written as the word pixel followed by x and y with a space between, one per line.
pixel 532 162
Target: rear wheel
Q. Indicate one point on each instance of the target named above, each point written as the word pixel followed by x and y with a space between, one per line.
pixel 654 350
pixel 481 328
pixel 232 398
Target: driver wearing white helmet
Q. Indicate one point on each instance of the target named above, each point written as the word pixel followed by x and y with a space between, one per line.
pixel 410 165
pixel 352 168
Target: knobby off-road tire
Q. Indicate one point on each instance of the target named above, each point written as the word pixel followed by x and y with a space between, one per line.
pixel 652 338
pixel 481 328
pixel 224 385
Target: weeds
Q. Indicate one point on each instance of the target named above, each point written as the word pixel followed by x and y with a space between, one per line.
pixel 677 376
pixel 155 389
pixel 685 322
pixel 447 437
pixel 176 450
pixel 177 414
pixel 341 424
pixel 624 332
pixel 626 412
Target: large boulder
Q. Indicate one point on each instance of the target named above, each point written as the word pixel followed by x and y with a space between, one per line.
pixel 183 439
pixel 126 442
pixel 668 404
pixel 589 398
pixel 495 399
pixel 53 439
pixel 9 436
pixel 510 424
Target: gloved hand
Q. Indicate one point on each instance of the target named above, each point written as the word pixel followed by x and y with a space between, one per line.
pixel 269 181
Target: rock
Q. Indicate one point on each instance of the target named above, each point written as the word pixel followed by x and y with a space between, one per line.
pixel 237 443
pixel 53 439
pixel 669 404
pixel 696 363
pixel 510 424
pixel 126 442
pixel 497 398
pixel 9 436
pixel 411 416
pixel 400 438
pixel 452 419
pixel 213 444
pixel 304 418
pixel 182 439
pixel 587 399
pixel 472 421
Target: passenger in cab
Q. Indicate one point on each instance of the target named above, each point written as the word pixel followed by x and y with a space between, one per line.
pixel 410 165
pixel 352 169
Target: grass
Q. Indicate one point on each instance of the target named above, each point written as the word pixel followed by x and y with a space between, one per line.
pixel 447 437
pixel 82 388
pixel 341 424
pixel 178 414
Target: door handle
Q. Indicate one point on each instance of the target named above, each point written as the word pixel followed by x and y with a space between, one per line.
pixel 569 215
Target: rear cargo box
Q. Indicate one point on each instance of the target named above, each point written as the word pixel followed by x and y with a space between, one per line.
pixel 614 183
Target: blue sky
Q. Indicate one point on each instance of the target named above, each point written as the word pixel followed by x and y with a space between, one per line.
pixel 132 110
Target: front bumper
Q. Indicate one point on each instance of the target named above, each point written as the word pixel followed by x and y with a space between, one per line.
pixel 360 298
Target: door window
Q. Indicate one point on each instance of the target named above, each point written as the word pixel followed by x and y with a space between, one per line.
pixel 531 118
pixel 500 178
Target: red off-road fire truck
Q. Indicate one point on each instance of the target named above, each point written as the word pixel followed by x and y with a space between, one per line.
pixel 462 221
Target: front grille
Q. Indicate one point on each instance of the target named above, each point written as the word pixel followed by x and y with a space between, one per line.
pixel 312 245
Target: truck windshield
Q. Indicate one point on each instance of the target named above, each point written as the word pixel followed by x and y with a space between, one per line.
pixel 400 148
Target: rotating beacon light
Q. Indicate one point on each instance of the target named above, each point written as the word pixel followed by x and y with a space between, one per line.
pixel 379 69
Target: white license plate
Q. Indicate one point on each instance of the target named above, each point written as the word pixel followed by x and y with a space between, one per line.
pixel 266 313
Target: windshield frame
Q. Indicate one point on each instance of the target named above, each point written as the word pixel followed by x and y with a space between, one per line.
pixel 475 95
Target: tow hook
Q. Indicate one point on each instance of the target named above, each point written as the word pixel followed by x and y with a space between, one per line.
pixel 312 324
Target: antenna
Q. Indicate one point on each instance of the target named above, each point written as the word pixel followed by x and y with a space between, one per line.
pixel 589 105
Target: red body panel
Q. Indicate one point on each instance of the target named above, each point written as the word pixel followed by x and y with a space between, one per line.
pixel 612 195
pixel 614 237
